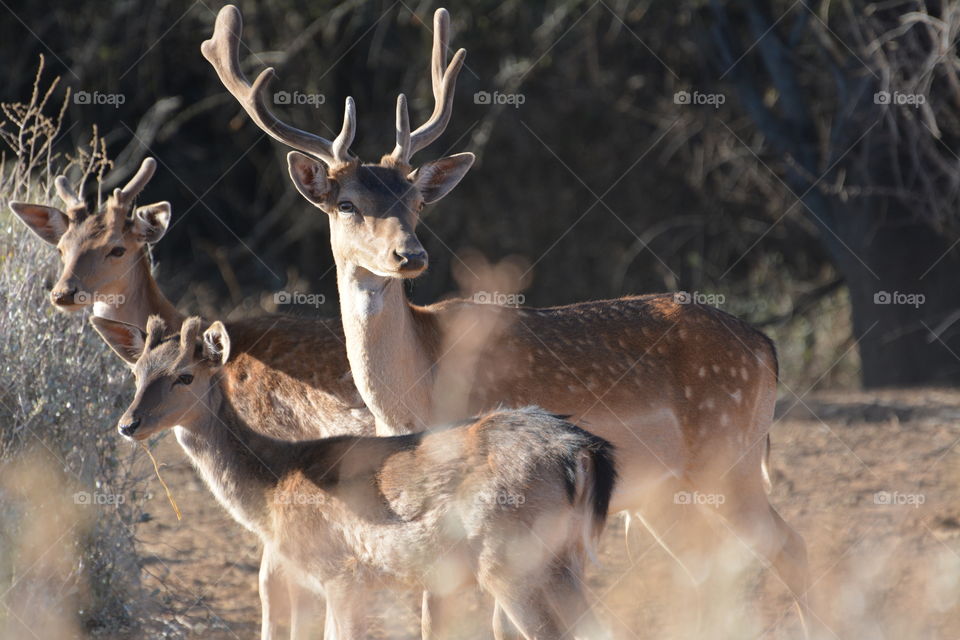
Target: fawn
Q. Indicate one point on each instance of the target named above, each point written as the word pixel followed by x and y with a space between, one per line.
pixel 510 501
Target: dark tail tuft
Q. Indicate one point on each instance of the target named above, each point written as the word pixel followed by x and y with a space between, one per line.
pixel 604 476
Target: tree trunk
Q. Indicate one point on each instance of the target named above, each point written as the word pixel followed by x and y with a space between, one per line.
pixel 899 296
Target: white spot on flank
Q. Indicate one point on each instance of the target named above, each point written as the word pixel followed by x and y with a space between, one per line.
pixel 716 368
pixel 703 372
pixel 688 392
pixel 724 420
pixel 737 396
pixel 744 374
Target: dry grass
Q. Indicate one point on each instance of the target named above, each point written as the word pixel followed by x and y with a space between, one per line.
pixel 70 493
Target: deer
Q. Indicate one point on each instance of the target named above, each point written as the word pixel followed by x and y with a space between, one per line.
pixel 106 265
pixel 105 253
pixel 684 391
pixel 346 514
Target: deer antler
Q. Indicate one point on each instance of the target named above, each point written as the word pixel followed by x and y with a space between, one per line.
pixel 222 52
pixel 444 79
pixel 66 192
pixel 132 189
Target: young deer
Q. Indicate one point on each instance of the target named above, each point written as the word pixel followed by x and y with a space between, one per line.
pixel 106 263
pixel 105 255
pixel 684 391
pixel 509 501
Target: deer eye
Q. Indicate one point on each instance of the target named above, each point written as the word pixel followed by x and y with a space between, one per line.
pixel 346 207
pixel 116 252
pixel 184 378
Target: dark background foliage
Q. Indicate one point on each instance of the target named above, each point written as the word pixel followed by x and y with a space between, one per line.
pixel 599 179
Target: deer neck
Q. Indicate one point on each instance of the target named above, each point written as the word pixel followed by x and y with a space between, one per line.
pixel 241 467
pixel 386 349
pixel 142 298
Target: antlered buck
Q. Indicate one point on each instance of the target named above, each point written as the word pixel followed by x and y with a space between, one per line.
pixel 350 514
pixel 685 392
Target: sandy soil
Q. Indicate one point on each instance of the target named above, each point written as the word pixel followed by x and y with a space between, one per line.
pixel 871 481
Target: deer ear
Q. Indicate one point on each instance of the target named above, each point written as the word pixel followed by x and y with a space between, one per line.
pixel 47 222
pixel 438 177
pixel 125 339
pixel 309 176
pixel 216 344
pixel 150 222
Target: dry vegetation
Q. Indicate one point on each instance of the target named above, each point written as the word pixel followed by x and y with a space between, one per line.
pixel 70 493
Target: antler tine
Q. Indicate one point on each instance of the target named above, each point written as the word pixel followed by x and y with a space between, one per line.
pixel 444 80
pixel 222 52
pixel 341 144
pixel 136 184
pixel 400 151
pixel 66 192
pixel 441 39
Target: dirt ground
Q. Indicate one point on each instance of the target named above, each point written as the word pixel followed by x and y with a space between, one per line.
pixel 871 481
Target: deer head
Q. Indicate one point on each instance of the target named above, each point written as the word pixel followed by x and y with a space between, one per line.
pixel 373 208
pixel 97 250
pixel 173 376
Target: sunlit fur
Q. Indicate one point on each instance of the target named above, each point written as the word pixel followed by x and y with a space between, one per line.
pixel 509 501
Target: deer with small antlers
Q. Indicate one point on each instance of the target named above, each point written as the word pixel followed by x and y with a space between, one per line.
pixel 684 391
pixel 106 264
pixel 351 513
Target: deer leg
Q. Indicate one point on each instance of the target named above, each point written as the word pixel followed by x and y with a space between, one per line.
pixel 442 615
pixel 347 607
pixel 522 603
pixel 565 591
pixel 755 522
pixel 274 604
pixel 302 610
pixel 503 628
pixel 682 530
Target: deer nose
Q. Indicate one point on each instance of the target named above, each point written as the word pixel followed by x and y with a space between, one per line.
pixel 63 296
pixel 130 427
pixel 411 260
